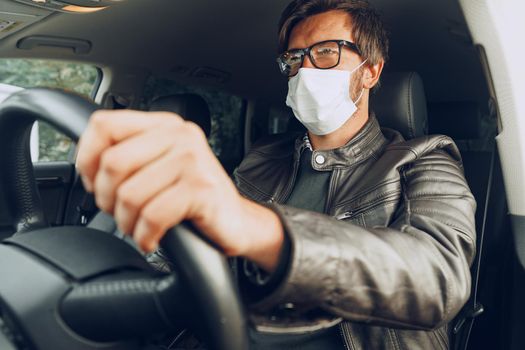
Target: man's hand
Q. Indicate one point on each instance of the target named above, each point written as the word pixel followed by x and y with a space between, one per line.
pixel 153 170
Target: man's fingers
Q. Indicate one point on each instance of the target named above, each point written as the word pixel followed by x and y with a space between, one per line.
pixel 150 171
pixel 166 210
pixel 107 128
pixel 122 160
pixel 137 191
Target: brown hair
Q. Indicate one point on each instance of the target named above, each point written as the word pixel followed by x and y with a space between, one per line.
pixel 368 31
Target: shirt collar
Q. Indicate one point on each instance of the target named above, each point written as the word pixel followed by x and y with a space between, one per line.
pixel 367 142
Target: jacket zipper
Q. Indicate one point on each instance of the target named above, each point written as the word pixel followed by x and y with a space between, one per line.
pixel 384 200
pixel 286 193
pixel 345 215
pixel 346 342
pixel 331 189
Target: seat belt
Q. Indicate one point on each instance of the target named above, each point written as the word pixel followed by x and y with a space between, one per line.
pixel 465 320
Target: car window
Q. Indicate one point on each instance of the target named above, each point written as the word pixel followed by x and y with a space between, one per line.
pixel 226 136
pixel 47 144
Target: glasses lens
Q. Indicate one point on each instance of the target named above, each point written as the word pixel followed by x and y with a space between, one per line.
pixel 325 55
pixel 290 62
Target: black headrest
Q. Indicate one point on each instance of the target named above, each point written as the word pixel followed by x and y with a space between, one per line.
pixel 458 119
pixel 400 104
pixel 189 106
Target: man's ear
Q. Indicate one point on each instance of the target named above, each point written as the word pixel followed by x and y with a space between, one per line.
pixel 372 74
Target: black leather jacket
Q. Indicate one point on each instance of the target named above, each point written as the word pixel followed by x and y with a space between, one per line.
pixel 391 256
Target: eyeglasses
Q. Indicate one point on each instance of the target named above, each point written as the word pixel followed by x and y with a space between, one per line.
pixel 323 55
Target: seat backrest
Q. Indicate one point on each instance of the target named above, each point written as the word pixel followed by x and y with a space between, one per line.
pixel 461 120
pixel 400 104
pixel 191 107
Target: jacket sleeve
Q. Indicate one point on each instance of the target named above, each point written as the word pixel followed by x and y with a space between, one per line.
pixel 414 273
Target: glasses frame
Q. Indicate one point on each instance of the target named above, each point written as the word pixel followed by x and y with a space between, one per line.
pixel 308 51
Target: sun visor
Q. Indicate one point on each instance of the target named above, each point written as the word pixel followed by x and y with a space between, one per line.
pixel 15 17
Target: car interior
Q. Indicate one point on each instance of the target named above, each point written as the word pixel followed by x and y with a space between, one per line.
pixel 214 63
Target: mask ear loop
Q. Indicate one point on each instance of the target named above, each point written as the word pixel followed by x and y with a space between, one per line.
pixel 360 65
pixel 360 95
pixel 363 89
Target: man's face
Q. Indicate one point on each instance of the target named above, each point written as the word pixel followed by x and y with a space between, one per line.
pixel 331 25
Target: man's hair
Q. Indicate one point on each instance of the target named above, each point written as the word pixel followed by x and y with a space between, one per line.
pixel 367 28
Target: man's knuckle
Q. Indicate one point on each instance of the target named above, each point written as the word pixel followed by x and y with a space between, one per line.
pixel 193 129
pixel 176 118
pixel 171 128
pixel 151 220
pixel 189 156
pixel 102 203
pixel 127 198
pixel 98 119
pixel 111 163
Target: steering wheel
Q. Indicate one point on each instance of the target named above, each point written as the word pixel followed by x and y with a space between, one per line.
pixel 76 287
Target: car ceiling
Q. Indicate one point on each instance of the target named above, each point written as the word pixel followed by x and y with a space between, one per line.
pixel 173 38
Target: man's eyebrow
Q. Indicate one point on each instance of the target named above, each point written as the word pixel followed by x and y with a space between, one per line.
pixel 295 48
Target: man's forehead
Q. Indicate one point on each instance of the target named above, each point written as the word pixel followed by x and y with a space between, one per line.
pixel 328 25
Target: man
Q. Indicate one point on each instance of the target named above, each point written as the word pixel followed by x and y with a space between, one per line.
pixel 396 272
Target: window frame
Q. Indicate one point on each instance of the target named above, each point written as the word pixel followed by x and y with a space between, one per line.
pixel 98 82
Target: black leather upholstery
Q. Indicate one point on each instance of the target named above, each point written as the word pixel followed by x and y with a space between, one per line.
pixel 400 104
pixel 189 106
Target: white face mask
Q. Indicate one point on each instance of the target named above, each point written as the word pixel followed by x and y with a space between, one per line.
pixel 320 99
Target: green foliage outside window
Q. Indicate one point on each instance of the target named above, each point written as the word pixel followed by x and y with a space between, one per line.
pixel 74 77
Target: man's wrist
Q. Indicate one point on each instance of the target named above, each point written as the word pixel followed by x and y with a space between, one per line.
pixel 266 235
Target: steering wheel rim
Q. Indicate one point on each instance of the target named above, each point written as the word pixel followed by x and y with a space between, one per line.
pixel 69 113
pixel 202 267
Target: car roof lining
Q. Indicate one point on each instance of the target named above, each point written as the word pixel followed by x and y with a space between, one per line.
pixel 14 17
pixel 240 38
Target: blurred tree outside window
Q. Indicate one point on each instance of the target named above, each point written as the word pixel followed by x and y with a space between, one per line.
pixel 75 77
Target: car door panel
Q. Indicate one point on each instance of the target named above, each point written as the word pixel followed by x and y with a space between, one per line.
pixel 54 181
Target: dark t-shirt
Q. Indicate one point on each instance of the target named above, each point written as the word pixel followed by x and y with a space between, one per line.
pixel 311 186
pixel 309 193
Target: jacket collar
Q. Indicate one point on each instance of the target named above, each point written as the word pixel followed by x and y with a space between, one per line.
pixel 366 143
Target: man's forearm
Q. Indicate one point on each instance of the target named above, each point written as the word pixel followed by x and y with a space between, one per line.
pixel 381 275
